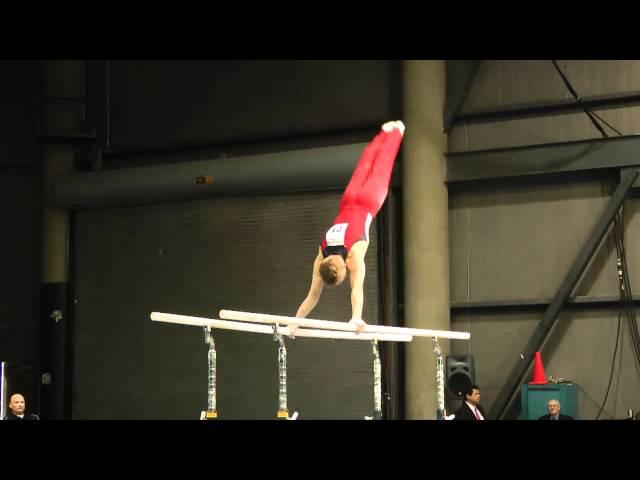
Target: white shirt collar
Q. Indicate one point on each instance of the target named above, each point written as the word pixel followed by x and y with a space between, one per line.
pixel 474 409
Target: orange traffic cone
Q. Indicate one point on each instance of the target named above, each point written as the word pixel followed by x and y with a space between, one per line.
pixel 539 377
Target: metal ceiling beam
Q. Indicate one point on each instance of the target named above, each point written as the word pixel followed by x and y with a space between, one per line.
pixel 560 107
pixel 584 155
pixel 581 302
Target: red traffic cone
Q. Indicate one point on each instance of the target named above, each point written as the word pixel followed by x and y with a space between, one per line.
pixel 539 377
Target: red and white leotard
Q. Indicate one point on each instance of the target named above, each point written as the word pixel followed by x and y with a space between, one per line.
pixel 364 195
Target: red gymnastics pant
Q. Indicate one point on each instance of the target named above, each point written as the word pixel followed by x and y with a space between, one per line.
pixel 369 184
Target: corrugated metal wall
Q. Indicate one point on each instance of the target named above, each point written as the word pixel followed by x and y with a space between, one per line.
pixel 514 240
pixel 508 83
pixel 194 258
pixel 20 210
pixel 167 104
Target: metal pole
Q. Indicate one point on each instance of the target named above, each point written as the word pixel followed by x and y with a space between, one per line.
pixel 440 409
pixel 211 413
pixel 377 382
pixel 283 412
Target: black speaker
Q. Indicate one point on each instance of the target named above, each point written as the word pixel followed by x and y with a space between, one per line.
pixel 461 373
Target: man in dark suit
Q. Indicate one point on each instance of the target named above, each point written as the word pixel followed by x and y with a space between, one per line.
pixel 553 407
pixel 471 408
pixel 16 409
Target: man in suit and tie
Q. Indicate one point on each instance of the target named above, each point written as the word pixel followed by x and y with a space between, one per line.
pixel 553 407
pixel 471 408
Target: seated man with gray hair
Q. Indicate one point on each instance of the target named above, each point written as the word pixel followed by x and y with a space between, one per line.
pixel 17 409
pixel 553 407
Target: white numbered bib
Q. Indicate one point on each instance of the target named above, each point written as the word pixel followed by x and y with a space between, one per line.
pixel 335 235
